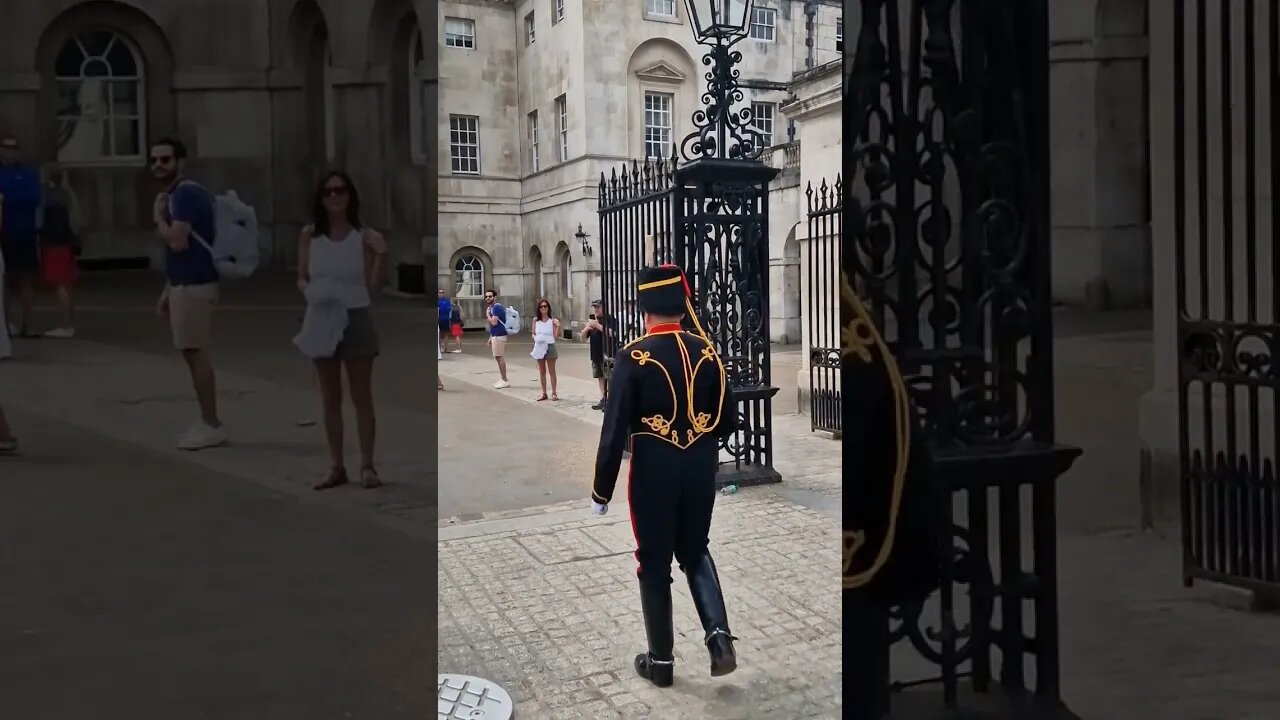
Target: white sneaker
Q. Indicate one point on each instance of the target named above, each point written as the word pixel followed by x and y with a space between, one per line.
pixel 202 437
pixel 61 333
pixel 456 352
pixel 501 385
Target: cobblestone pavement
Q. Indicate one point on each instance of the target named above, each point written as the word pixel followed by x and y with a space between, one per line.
pixel 544 600
pixel 558 619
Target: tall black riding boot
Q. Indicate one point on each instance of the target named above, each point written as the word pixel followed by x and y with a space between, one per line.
pixel 657 665
pixel 704 586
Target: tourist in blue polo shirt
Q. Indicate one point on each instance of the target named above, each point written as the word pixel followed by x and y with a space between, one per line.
pixel 20 193
pixel 183 209
pixel 496 315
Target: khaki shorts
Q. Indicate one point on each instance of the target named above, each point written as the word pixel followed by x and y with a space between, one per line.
pixel 191 315
pixel 498 343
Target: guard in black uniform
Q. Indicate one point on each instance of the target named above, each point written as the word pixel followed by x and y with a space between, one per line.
pixel 669 400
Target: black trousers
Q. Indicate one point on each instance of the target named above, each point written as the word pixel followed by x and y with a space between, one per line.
pixel 671 494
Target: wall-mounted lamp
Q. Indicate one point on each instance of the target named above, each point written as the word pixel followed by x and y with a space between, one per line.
pixel 582 238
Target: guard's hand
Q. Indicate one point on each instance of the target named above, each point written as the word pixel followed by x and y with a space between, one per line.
pixel 599 509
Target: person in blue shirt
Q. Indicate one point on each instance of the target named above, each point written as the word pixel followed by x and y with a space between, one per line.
pixel 496 315
pixel 444 308
pixel 183 209
pixel 20 193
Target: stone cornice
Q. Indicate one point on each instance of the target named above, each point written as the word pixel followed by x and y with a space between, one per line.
pixel 504 4
pixel 820 103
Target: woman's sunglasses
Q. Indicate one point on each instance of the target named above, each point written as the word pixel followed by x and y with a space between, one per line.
pixel 335 191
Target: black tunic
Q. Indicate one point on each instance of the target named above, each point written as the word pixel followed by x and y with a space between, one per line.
pixel 670 401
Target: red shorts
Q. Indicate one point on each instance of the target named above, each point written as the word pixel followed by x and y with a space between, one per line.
pixel 456 330
pixel 58 266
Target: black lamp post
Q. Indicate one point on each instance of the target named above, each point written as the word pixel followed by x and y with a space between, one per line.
pixel 721 132
pixel 582 238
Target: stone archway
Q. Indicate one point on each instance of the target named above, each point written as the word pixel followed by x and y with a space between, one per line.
pixel 311 57
pixel 786 319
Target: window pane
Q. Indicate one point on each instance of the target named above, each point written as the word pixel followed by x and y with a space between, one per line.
pixel 68 62
pixel 126 137
pixel 97 42
pixel 121 60
pixel 124 97
pixel 97 68
pixel 69 97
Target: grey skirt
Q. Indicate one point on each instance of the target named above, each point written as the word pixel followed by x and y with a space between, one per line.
pixel 551 352
pixel 360 338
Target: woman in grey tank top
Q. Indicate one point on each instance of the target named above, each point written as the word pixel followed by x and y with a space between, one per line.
pixel 342 260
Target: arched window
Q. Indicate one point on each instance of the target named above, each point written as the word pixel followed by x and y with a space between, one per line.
pixel 469 276
pixel 418 97
pixel 101 103
pixel 566 272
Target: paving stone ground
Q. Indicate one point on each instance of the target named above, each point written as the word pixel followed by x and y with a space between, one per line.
pixel 544 599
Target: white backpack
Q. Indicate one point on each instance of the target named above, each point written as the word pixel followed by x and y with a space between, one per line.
pixel 235 247
pixel 513 321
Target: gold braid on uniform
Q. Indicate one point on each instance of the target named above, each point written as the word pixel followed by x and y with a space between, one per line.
pixel 657 423
pixel 701 422
pixel 857 338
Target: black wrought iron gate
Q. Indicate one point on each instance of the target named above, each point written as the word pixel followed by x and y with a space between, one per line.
pixel 711 218
pixel 947 174
pixel 1228 265
pixel 821 309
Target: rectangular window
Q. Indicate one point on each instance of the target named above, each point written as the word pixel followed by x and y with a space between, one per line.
pixel 460 33
pixel 464 144
pixel 762 121
pixel 763 22
pixel 840 35
pixel 562 126
pixel 665 8
pixel 533 141
pixel 529 35
pixel 557 11
pixel 657 125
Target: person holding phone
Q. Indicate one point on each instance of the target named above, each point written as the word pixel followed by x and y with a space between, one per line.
pixel 598 327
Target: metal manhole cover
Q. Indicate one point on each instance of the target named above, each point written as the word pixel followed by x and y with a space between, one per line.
pixel 463 697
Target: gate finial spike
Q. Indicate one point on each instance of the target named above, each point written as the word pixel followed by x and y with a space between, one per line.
pixel 839 189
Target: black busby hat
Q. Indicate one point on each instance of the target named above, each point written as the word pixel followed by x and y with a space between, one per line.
pixel 662 290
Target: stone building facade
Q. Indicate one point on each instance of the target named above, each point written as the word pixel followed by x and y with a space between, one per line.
pixel 538 98
pixel 265 93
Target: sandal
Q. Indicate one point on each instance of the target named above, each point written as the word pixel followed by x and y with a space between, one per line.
pixel 369 478
pixel 337 477
pixel 555 398
pixel 544 397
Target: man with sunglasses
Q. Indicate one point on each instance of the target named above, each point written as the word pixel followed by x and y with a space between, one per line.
pixel 20 193
pixel 185 207
pixel 496 315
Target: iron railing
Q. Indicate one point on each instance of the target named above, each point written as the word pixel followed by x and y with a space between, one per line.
pixel 821 309
pixel 1229 308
